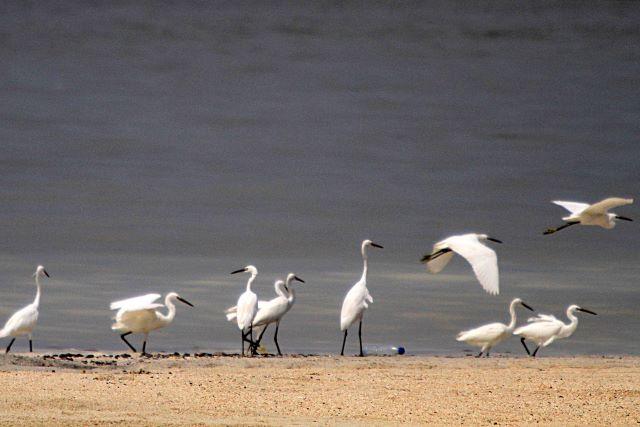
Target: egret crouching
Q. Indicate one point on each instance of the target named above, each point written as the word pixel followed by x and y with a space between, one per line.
pixel 139 315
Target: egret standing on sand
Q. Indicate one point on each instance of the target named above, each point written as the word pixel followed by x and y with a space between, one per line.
pixel 595 214
pixel 246 308
pixel 139 315
pixel 545 328
pixel 357 300
pixel 483 259
pixel 489 335
pixel 24 320
pixel 272 311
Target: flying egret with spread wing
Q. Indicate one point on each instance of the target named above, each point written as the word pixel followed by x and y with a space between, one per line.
pixel 595 214
pixel 545 328
pixel 23 321
pixel 482 258
pixel 357 300
pixel 140 315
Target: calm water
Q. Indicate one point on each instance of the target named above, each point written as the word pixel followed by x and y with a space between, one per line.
pixel 151 148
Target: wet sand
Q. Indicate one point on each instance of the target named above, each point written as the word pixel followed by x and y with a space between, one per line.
pixel 74 389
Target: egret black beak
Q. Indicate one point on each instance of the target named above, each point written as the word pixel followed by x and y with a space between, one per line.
pixel 298 279
pixel 184 301
pixel 624 218
pixel 45 273
pixel 526 306
pixel 494 240
pixel 242 270
pixel 375 245
pixel 586 311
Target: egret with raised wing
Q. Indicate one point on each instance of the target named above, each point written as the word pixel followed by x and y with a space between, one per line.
pixel 545 328
pixel 489 335
pixel 23 321
pixel 357 300
pixel 482 258
pixel 595 214
pixel 140 315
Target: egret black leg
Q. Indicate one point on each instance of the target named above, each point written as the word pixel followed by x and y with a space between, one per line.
pixel 30 346
pixel 127 342
pixel 243 339
pixel 535 351
pixel 479 354
pixel 10 344
pixel 525 346
pixel 257 343
pixel 360 338
pixel 553 230
pixel 144 347
pixel 275 338
pixel 487 353
pixel 344 340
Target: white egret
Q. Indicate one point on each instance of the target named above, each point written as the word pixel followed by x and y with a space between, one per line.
pixel 545 328
pixel 357 300
pixel 483 259
pixel 246 308
pixel 489 335
pixel 139 315
pixel 595 214
pixel 23 321
pixel 272 311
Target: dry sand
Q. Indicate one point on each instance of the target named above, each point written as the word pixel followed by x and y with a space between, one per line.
pixel 75 390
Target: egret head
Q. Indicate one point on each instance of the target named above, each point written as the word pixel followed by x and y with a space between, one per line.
pixel 174 295
pixel 485 237
pixel 248 269
pixel 370 243
pixel 291 277
pixel 40 272
pixel 522 303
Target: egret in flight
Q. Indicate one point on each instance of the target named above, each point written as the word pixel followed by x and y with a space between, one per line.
pixel 357 300
pixel 545 328
pixel 483 259
pixel 489 335
pixel 595 214
pixel 246 308
pixel 272 311
pixel 24 320
pixel 140 315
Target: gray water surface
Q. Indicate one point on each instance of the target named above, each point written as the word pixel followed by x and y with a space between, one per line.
pixel 150 148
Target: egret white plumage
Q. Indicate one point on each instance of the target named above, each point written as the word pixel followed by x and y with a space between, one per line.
pixel 545 328
pixel 357 300
pixel 23 321
pixel 246 308
pixel 489 335
pixel 140 315
pixel 483 259
pixel 272 311
pixel 595 214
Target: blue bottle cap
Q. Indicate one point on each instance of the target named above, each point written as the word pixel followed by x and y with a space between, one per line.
pixel 400 350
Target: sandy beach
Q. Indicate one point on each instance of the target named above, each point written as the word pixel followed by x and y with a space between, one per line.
pixel 94 389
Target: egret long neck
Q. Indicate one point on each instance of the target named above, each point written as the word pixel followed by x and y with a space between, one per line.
pixel 36 300
pixel 512 312
pixel 250 281
pixel 364 261
pixel 571 327
pixel 281 290
pixel 172 310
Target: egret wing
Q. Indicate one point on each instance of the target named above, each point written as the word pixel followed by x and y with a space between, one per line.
pixel 136 303
pixel 24 318
pixel 488 332
pixel 542 318
pixel 437 264
pixel 574 207
pixel 483 260
pixel 603 206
